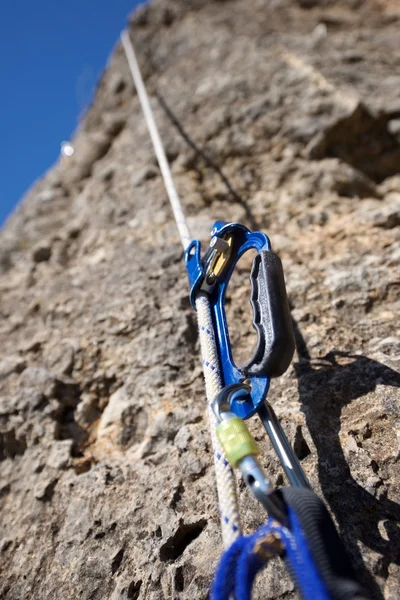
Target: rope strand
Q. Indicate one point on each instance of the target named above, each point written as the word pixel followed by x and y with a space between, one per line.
pixel 226 482
pixel 176 205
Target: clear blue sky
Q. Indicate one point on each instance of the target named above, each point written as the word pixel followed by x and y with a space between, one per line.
pixel 52 53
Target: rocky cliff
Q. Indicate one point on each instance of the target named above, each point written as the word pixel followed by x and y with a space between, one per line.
pixel 107 486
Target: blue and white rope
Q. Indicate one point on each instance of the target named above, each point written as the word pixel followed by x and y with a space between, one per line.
pixel 226 482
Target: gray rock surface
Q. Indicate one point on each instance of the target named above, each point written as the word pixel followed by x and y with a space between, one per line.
pixel 106 475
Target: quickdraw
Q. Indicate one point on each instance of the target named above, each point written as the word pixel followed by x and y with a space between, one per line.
pixel 271 319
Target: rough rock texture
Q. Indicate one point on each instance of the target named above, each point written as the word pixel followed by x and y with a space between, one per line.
pixel 107 487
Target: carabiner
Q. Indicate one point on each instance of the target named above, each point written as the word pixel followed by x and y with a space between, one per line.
pixel 271 315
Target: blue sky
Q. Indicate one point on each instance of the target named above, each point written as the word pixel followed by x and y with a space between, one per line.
pixel 52 53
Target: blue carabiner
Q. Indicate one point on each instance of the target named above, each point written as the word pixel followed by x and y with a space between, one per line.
pixel 271 315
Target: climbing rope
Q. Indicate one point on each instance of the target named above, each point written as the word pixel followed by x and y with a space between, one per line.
pixel 225 479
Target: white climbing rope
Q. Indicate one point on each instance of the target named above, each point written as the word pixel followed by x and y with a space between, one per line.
pixel 176 205
pixel 226 483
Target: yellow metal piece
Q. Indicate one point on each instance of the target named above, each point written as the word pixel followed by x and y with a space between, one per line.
pixel 220 259
pixel 269 546
pixel 236 440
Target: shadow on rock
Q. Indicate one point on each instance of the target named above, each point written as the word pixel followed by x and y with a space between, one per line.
pixel 325 387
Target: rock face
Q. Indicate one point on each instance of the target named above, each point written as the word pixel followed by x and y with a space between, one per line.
pixel 107 485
